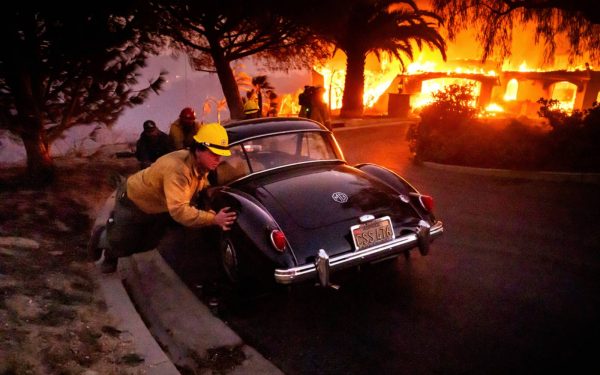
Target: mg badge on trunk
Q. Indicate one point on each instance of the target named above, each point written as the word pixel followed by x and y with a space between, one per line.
pixel 339 197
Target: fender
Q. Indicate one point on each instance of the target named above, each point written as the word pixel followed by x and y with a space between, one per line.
pixel 255 222
pixel 388 176
pixel 399 184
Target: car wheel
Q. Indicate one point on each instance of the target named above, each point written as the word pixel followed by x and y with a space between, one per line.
pixel 230 261
pixel 240 279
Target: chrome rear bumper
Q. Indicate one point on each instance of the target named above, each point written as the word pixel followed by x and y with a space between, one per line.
pixel 325 264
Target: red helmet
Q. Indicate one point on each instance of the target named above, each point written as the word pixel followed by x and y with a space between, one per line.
pixel 187 114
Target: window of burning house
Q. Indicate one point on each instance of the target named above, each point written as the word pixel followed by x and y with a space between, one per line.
pixel 512 88
pixel 431 86
pixel 565 93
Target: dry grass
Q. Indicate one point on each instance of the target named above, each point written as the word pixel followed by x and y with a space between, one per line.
pixel 52 318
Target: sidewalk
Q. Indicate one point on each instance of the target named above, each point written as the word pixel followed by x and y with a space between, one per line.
pixel 171 328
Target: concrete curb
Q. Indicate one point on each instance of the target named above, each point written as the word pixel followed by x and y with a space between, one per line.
pixel 353 124
pixel 133 327
pixel 590 178
pixel 183 325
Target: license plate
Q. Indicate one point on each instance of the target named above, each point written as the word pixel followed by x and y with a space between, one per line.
pixel 372 233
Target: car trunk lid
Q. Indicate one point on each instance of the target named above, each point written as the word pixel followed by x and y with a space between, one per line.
pixel 328 196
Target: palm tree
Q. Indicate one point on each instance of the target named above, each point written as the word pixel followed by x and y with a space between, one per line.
pixel 381 26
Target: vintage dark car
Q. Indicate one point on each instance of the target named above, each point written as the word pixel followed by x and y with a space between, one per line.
pixel 304 213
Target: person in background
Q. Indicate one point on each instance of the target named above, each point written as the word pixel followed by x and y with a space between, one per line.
pixel 273 105
pixel 152 144
pixel 318 108
pixel 182 130
pixel 251 109
pixel 151 200
pixel 304 100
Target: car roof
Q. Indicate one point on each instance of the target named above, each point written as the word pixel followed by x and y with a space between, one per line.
pixel 240 130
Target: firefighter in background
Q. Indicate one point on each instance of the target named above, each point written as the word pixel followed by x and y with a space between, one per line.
pixel 152 144
pixel 273 105
pixel 318 109
pixel 183 129
pixel 251 109
pixel 304 99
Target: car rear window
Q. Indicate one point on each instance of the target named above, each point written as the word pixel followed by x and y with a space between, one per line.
pixel 274 151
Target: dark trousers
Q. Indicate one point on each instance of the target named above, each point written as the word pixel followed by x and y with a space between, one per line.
pixel 131 230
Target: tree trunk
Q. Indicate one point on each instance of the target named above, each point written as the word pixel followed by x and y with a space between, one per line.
pixel 260 102
pixel 352 101
pixel 40 168
pixel 228 84
pixel 29 126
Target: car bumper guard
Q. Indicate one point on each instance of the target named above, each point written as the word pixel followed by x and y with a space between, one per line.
pixel 325 264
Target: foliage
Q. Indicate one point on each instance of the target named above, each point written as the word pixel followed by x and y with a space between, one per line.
pixel 577 21
pixel 262 86
pixel 62 66
pixel 486 144
pixel 453 101
pixel 574 138
pixel 207 107
pixel 217 33
pixel 75 69
pixel 384 26
pixel 449 133
pixel 452 107
pixel 550 110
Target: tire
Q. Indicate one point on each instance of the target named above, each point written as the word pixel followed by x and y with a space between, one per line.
pixel 241 280
pixel 230 261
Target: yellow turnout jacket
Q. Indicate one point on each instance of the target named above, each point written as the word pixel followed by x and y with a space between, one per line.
pixel 169 185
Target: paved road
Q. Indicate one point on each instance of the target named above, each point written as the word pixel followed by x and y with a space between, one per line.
pixel 513 286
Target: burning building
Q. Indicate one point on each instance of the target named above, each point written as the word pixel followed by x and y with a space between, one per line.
pixel 499 87
pixel 513 92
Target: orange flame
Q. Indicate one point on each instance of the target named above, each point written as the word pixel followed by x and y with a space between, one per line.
pixel 379 74
pixel 463 58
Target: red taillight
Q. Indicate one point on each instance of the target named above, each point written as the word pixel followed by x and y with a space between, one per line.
pixel 278 239
pixel 427 202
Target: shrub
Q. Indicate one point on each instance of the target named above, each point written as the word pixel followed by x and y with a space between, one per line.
pixel 449 112
pixel 573 142
pixel 450 133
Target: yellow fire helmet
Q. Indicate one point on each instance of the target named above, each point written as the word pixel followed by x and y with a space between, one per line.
pixel 251 106
pixel 213 136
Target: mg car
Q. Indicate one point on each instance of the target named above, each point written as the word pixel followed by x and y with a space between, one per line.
pixel 304 213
